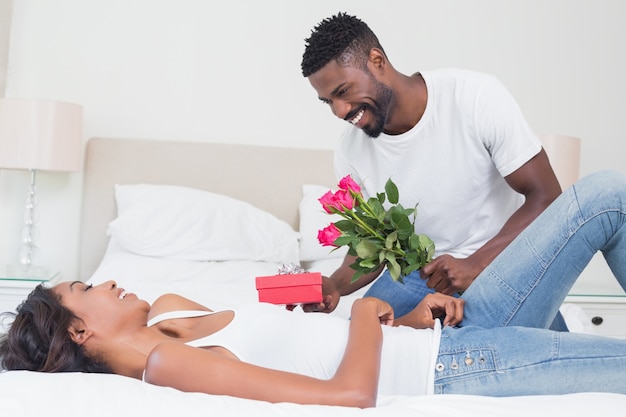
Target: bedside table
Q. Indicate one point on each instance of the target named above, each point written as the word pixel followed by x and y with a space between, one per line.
pixel 606 313
pixel 16 285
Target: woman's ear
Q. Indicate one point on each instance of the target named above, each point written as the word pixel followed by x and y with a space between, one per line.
pixel 79 333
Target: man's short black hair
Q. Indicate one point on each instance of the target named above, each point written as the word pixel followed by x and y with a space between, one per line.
pixel 344 38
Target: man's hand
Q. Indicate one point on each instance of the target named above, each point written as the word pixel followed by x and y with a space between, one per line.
pixel 449 275
pixel 330 298
pixel 431 307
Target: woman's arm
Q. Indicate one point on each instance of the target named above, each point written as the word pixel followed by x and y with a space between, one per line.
pixel 355 382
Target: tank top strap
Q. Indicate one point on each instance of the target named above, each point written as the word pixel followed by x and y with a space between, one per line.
pixel 179 314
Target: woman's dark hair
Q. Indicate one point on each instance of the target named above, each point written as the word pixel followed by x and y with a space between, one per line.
pixel 344 38
pixel 38 338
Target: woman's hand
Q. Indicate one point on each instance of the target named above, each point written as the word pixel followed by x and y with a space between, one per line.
pixel 372 305
pixel 384 311
pixel 432 307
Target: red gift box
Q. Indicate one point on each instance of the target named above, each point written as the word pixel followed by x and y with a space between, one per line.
pixel 290 288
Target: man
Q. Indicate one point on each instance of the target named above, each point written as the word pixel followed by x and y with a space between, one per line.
pixel 455 142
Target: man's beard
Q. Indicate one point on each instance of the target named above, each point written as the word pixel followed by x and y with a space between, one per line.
pixel 379 109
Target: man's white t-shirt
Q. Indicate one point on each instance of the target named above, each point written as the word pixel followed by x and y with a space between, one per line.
pixel 452 163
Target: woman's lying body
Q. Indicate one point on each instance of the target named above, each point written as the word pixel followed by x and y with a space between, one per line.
pixel 271 354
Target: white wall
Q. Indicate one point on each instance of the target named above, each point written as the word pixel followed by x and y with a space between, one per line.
pixel 230 72
pixel 5 31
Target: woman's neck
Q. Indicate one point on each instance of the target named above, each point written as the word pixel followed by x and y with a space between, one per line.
pixel 127 354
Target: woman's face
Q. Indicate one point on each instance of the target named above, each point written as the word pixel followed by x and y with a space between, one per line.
pixel 101 303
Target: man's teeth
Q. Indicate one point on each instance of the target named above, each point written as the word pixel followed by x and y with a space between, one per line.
pixel 122 295
pixel 356 119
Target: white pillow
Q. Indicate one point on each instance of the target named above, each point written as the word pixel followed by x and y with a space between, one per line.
pixel 184 223
pixel 312 219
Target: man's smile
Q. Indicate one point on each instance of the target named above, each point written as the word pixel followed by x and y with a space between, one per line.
pixel 356 119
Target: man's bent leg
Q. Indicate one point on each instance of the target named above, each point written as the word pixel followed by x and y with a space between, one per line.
pixel 403 297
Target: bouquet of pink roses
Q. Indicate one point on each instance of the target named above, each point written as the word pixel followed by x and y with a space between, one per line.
pixel 373 234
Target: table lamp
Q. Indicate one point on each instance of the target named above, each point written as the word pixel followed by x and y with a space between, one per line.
pixel 37 135
pixel 564 154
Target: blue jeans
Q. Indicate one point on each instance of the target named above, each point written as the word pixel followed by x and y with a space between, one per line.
pixel 405 297
pixel 524 286
pixel 509 361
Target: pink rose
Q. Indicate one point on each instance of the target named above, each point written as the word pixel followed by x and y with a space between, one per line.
pixel 328 235
pixel 328 202
pixel 343 200
pixel 347 183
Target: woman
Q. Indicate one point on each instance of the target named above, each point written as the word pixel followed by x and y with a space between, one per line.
pixel 265 352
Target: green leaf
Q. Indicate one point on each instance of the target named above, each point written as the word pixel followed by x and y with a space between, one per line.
pixel 410 268
pixel 393 266
pixel 391 239
pixel 377 207
pixel 358 274
pixel 412 257
pixel 396 214
pixel 366 249
pixel 345 225
pixel 345 240
pixel 405 230
pixel 414 242
pixel 372 223
pixel 392 192
pixel 369 263
pixel 428 245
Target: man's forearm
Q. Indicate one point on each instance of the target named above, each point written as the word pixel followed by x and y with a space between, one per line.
pixel 342 277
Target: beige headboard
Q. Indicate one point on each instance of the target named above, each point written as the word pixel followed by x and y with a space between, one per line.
pixel 268 177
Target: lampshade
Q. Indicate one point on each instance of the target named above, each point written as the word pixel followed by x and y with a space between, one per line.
pixel 564 154
pixel 40 135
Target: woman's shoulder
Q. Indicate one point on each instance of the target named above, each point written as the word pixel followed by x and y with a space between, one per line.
pixel 173 302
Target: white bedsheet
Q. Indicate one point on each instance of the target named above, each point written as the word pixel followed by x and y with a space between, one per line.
pixel 27 394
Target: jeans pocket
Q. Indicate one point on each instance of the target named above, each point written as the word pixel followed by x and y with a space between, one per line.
pixel 464 362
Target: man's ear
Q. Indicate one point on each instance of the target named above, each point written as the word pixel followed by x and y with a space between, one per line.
pixel 79 333
pixel 377 59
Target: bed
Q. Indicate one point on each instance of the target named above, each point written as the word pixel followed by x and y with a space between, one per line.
pixel 203 220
